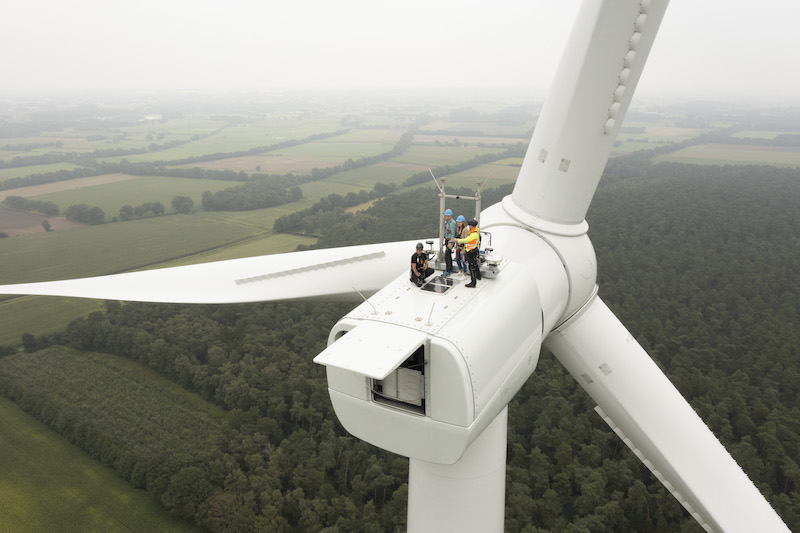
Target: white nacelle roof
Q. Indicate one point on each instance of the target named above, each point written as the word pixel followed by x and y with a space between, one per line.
pixel 374 349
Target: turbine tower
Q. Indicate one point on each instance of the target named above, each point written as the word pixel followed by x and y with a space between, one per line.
pixel 428 372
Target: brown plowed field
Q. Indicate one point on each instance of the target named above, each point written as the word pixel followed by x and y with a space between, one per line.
pixel 14 222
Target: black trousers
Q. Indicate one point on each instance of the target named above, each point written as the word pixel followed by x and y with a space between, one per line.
pixel 422 275
pixel 472 263
pixel 448 259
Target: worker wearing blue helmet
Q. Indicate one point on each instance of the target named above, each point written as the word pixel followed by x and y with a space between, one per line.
pixel 462 230
pixel 449 234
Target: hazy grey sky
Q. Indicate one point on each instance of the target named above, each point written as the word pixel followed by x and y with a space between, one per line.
pixel 725 48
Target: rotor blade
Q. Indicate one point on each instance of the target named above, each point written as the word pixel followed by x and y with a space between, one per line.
pixel 329 274
pixel 585 106
pixel 643 407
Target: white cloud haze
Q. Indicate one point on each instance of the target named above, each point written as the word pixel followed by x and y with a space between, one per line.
pixel 721 48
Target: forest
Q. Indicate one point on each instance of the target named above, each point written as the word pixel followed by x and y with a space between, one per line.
pixel 699 262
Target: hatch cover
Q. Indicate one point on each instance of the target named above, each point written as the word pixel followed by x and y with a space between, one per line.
pixel 373 349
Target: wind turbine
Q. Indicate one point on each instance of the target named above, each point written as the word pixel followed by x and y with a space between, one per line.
pixel 428 372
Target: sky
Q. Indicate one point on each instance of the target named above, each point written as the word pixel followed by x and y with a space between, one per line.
pixel 727 49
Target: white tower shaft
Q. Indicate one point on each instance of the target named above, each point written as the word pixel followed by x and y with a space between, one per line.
pixel 468 495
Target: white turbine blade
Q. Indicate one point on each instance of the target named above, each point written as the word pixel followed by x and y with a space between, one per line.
pixel 585 106
pixel 655 421
pixel 329 274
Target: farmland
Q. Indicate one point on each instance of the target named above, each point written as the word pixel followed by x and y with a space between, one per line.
pixel 200 236
pixel 735 154
pixel 134 190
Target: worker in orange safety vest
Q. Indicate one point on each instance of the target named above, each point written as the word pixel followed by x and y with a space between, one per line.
pixel 470 243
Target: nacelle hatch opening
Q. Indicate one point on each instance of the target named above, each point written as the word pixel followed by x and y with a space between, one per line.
pixel 404 388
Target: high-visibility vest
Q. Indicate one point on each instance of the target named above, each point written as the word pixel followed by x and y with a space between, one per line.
pixel 470 241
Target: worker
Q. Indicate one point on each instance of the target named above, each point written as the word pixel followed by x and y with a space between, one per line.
pixel 449 234
pixel 419 266
pixel 470 243
pixel 462 230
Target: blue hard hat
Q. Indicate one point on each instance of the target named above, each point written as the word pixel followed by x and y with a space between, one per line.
pixel 448 212
pixel 461 218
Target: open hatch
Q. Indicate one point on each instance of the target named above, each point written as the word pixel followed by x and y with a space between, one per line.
pixel 391 356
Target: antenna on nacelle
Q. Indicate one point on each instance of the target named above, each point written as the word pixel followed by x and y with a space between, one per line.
pixel 440 187
pixel 429 323
pixel 374 310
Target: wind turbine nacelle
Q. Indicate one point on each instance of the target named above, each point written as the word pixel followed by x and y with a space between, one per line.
pixel 423 371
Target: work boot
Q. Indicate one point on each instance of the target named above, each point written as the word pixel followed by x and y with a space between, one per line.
pixel 471 285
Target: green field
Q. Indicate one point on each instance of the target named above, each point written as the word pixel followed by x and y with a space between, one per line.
pixel 272 244
pixel 40 314
pixel 21 172
pixel 757 134
pixel 135 191
pixel 47 484
pixel 366 177
pixel 431 156
pixel 111 248
pixel 655 134
pixel 498 173
pixel 301 159
pixel 522 129
pixel 734 154
pixel 233 138
pixel 468 140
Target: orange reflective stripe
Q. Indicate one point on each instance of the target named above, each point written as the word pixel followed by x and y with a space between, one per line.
pixel 470 241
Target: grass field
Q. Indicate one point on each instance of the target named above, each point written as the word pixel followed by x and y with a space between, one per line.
pixel 734 154
pixel 431 156
pixel 21 172
pixel 470 141
pixel 757 134
pixel 302 158
pixel 272 244
pixel 485 128
pixel 655 134
pixel 135 191
pixel 33 191
pixel 234 138
pixel 498 173
pixel 111 248
pixel 40 314
pixel 366 177
pixel 46 484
